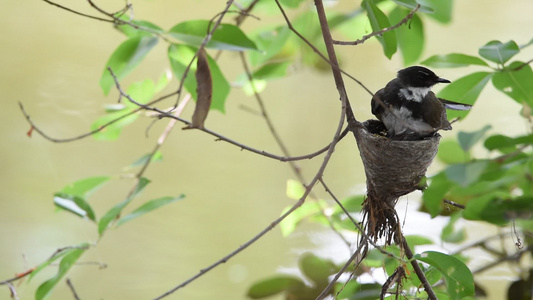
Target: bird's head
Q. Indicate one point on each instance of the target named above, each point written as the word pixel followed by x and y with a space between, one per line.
pixel 417 76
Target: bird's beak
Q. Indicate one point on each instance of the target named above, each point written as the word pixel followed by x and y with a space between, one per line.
pixel 442 80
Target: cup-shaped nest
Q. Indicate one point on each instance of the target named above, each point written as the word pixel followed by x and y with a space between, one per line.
pixel 393 168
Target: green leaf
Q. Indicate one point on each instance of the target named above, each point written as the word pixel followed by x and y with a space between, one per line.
pixel 115 211
pixel 111 132
pixel 317 269
pixel 450 152
pixel 411 4
pixel 459 279
pixel 86 186
pixel 499 52
pixel 74 204
pixel 273 286
pixel 180 56
pixel 469 139
pixel 270 42
pixel 226 37
pixel 141 92
pixel 464 90
pixel 271 71
pixel 506 143
pixel 163 81
pixel 309 208
pixel 410 37
pixel 497 209
pixel 378 21
pixel 148 207
pixel 450 234
pixel 434 194
pixel 125 58
pixel 467 173
pixel 295 190
pixel 145 28
pixel 417 240
pixel 515 81
pixel 453 60
pixel 69 258
pixel 58 254
pixel 158 156
pixel 442 9
pixel 527 44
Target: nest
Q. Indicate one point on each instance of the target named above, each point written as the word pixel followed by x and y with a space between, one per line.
pixel 393 168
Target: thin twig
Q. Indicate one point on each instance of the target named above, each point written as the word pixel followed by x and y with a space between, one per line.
pixel 78 13
pixel 513 257
pixel 295 168
pixel 299 203
pixel 315 49
pixel 418 270
pixel 453 203
pixel 379 32
pixel 71 287
pixel 355 255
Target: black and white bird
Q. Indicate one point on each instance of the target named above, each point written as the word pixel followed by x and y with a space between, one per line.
pixel 409 109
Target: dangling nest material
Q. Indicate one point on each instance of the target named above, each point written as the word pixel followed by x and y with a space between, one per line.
pixel 393 168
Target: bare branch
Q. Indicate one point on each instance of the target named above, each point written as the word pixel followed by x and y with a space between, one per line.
pixel 71 287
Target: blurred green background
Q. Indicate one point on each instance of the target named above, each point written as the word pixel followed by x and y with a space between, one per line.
pixel 52 61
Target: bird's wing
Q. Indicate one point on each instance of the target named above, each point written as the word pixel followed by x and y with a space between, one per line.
pixel 455 105
pixel 434 113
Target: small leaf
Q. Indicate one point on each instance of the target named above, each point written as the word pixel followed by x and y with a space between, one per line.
pixel 467 173
pixel 125 58
pixel 148 207
pixel 273 286
pixel 74 204
pixel 226 37
pixel 459 279
pixel 140 92
pixel 453 60
pixel 410 37
pixel 434 194
pixel 465 90
pixel 515 81
pixel 270 42
pixel 287 226
pixel 469 139
pixel 450 152
pixel 316 269
pixel 379 20
pixel 111 132
pixel 86 186
pixel 163 81
pixel 450 234
pixel 417 240
pixel 505 143
pixel 204 90
pixel 66 263
pixel 411 4
pixel 145 28
pixel 180 56
pixel 442 9
pixel 499 52
pixel 158 156
pixel 115 211
pixel 497 208
pixel 295 190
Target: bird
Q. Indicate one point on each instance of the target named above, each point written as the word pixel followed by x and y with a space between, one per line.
pixel 409 109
